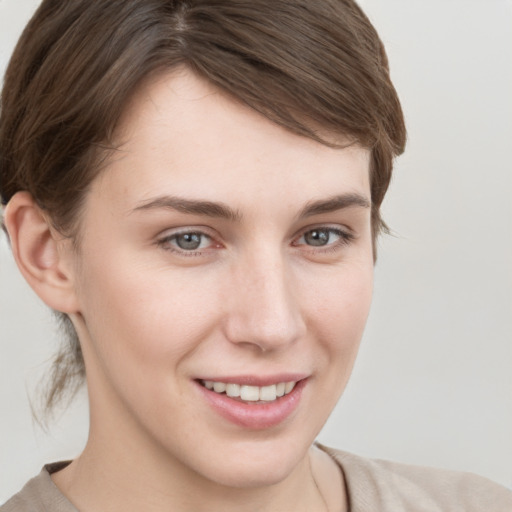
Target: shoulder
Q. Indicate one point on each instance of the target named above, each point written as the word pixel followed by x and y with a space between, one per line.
pixel 40 495
pixel 389 486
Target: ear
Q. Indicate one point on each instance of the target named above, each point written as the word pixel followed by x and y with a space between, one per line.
pixel 43 256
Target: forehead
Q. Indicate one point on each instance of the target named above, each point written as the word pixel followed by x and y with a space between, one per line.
pixel 179 131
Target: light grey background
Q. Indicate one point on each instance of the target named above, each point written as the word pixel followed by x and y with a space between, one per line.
pixel 433 383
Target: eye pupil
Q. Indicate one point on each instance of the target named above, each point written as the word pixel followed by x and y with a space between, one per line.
pixel 317 237
pixel 188 241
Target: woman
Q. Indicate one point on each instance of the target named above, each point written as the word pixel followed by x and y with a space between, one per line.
pixel 195 188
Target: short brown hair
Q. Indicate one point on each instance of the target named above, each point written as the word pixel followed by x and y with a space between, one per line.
pixel 303 64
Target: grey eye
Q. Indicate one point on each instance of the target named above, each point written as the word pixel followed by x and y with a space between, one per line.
pixel 189 241
pixel 317 237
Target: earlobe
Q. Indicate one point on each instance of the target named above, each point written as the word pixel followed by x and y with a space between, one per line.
pixel 43 257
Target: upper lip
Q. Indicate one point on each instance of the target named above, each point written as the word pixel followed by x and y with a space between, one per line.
pixel 257 380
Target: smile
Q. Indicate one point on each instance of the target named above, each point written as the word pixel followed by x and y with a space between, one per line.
pixel 247 405
pixel 251 393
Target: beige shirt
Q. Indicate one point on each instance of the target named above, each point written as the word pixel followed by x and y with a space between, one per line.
pixel 372 486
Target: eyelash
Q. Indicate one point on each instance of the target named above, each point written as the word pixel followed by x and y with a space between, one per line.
pixel 345 237
pixel 165 243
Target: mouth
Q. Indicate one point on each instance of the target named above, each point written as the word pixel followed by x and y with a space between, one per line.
pixel 243 403
pixel 251 394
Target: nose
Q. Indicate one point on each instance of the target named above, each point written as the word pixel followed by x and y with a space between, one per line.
pixel 263 308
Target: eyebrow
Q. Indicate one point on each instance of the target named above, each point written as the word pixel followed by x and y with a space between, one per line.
pixel 191 206
pixel 223 211
pixel 334 203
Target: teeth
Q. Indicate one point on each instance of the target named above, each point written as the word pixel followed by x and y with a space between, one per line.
pixel 219 387
pixel 251 393
pixel 268 393
pixel 233 390
pixel 288 387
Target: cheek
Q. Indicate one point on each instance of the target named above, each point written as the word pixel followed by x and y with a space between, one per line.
pixel 141 315
pixel 337 313
pixel 339 310
pixel 343 293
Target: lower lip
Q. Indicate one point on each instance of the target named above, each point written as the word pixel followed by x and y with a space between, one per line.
pixel 255 416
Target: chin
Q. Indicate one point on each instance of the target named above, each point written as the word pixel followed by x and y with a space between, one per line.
pixel 243 474
pixel 253 464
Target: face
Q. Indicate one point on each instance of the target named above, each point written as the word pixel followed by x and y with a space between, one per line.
pixel 220 250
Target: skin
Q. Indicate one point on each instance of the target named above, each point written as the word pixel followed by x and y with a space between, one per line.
pixel 256 298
